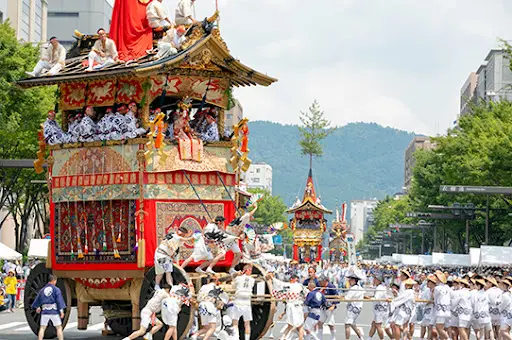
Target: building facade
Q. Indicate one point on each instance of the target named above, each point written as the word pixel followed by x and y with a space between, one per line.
pixel 467 93
pixel 491 82
pixel 361 217
pixel 233 116
pixel 27 17
pixel 259 176
pixel 65 16
pixel 417 143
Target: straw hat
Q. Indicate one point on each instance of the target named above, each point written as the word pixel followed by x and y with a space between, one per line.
pixel 492 280
pixel 480 281
pixel 432 278
pixel 440 276
pixel 410 282
pixel 507 282
pixel 405 272
pixel 464 282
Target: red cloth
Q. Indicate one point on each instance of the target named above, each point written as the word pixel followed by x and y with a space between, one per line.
pixel 130 29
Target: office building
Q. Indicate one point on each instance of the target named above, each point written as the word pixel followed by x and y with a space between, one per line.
pixel 417 143
pixel 233 116
pixel 361 217
pixel 492 81
pixel 66 16
pixel 27 17
pixel 259 176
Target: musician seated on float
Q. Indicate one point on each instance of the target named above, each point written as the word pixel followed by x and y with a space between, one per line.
pixel 171 42
pixel 211 131
pixel 104 52
pixel 184 14
pixel 53 59
pixel 157 16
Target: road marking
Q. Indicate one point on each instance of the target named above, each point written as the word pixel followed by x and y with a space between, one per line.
pixel 71 325
pixel 12 324
pixel 23 329
pixel 96 327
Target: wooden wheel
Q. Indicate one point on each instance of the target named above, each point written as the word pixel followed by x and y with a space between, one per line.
pixel 37 279
pixel 262 312
pixel 186 316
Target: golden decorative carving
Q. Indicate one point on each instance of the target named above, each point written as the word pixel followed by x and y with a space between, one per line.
pixel 50 160
pixel 214 17
pixel 196 34
pixel 216 34
pixel 201 61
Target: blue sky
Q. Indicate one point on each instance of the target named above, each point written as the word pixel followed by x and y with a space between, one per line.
pixel 400 63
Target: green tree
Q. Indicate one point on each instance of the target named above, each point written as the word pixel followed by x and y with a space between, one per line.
pixel 313 129
pixel 271 209
pixel 21 113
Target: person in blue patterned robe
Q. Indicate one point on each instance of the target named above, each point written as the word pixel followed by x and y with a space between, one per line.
pixel 53 134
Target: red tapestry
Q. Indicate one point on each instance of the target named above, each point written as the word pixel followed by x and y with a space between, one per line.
pixel 196 87
pixel 129 90
pixel 72 96
pixel 103 283
pixel 156 84
pixel 103 227
pixel 101 93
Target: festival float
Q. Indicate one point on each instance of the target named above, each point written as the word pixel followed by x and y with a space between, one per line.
pixel 111 202
pixel 337 239
pixel 308 224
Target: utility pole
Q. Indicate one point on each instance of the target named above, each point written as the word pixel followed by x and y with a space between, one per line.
pixel 435 239
pixel 411 243
pixel 467 236
pixel 422 240
pixel 487 222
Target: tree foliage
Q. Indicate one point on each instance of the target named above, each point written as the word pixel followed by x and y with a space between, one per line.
pixel 21 113
pixel 271 209
pixel 477 152
pixel 313 129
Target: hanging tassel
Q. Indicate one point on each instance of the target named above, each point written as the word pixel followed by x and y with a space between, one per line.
pixel 118 238
pixel 116 254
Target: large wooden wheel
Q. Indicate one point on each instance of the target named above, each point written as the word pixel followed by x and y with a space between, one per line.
pixel 121 326
pixel 186 316
pixel 37 279
pixel 262 312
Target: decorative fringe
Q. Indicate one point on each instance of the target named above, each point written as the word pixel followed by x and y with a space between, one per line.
pixel 104 244
pixel 116 254
pixel 141 255
pixel 118 238
pixel 80 254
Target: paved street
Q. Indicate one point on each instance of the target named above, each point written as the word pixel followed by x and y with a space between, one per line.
pixel 14 326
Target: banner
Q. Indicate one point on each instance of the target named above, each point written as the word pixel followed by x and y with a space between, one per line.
pixel 351 250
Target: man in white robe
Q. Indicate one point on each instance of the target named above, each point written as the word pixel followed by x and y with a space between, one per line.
pixel 184 14
pixel 130 126
pixel 53 59
pixel 157 16
pixel 104 52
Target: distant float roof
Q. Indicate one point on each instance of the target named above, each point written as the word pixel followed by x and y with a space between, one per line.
pixel 205 54
pixel 310 200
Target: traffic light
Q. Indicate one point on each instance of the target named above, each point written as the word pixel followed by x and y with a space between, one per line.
pixel 456 209
pixel 469 209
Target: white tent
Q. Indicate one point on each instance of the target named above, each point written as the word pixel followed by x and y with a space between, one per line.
pixel 38 248
pixel 397 258
pixel 385 259
pixel 454 260
pixel 495 256
pixel 425 260
pixel 410 260
pixel 9 254
pixel 474 254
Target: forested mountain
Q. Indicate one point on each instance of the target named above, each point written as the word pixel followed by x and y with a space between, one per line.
pixel 360 161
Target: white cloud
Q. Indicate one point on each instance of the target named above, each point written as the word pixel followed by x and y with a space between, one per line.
pixel 399 63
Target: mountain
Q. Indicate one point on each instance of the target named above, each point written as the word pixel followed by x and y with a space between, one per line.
pixel 360 161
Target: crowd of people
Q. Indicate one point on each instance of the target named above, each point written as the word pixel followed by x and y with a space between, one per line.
pixel 13 274
pixel 104 52
pixel 124 123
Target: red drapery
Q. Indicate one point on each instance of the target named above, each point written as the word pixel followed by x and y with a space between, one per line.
pixel 295 252
pixel 319 253
pixel 130 29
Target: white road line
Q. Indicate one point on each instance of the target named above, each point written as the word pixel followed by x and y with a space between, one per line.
pixel 23 329
pixel 96 327
pixel 70 325
pixel 12 324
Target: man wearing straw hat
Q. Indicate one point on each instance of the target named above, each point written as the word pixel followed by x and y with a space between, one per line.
pixel 494 294
pixel 354 308
pixel 442 304
pixel 463 308
pixel 327 315
pixel 482 319
pixel 402 306
pixel 506 309
pixel 380 308
pixel 428 320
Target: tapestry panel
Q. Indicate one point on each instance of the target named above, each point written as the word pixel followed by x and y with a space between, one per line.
pixel 213 159
pixel 95 193
pixel 189 215
pixel 104 228
pixel 186 192
pixel 101 93
pixel 195 87
pixel 72 96
pixel 95 160
pixel 130 89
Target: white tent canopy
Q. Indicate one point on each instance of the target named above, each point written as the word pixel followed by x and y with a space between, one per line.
pixel 9 254
pixel 474 254
pixel 455 260
pixel 38 248
pixel 425 260
pixel 495 256
pixel 410 260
